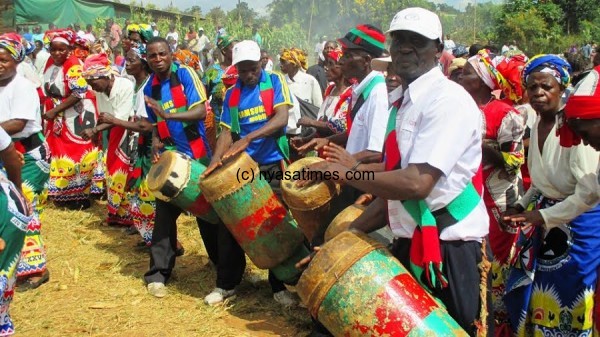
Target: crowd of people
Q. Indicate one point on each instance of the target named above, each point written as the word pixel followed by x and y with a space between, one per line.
pixel 478 154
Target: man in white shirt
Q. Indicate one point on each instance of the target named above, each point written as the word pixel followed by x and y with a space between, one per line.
pixel 430 193
pixel 155 31
pixel 203 40
pixel 449 45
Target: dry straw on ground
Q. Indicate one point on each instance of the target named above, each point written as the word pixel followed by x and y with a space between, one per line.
pixel 96 288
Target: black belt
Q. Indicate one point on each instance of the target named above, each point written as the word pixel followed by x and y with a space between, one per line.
pixel 33 141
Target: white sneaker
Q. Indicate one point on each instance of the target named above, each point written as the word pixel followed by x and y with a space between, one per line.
pixel 218 295
pixel 285 298
pixel 157 289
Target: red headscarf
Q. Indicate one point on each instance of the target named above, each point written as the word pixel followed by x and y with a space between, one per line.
pixel 584 103
pixel 511 67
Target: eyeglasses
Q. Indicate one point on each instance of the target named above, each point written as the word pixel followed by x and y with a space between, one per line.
pixel 336 66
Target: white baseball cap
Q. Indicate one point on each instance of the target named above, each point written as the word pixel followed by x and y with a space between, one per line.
pixel 381 63
pixel 200 29
pixel 246 50
pixel 418 20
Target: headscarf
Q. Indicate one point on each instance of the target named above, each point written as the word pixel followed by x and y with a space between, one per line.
pixel 224 40
pixel 96 66
pixel 550 64
pixel 143 29
pixel 29 47
pixel 139 50
pixel 295 56
pixel 66 36
pixel 460 51
pixel 230 77
pixel 584 103
pixel 511 67
pixel 335 55
pixel 12 43
pixel 486 69
pixel 187 58
pixel 457 63
pixel 82 48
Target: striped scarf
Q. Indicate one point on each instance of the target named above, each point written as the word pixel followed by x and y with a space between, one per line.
pixel 190 129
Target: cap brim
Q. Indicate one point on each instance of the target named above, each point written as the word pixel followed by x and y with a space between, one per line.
pixel 245 58
pixel 414 31
pixel 348 44
pixel 381 64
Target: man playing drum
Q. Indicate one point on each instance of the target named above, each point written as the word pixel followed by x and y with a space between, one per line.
pixel 430 193
pixel 175 100
pixel 255 115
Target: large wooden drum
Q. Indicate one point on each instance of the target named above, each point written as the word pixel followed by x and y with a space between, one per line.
pixel 262 226
pixel 309 205
pixel 343 220
pixel 355 287
pixel 174 179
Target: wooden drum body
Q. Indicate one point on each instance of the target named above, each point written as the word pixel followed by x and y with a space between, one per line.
pixel 355 287
pixel 262 226
pixel 309 205
pixel 174 179
pixel 343 220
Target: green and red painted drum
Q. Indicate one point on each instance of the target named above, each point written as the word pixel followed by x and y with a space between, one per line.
pixel 355 287
pixel 310 204
pixel 175 179
pixel 256 218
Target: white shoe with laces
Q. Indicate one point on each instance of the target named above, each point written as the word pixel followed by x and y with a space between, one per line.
pixel 218 295
pixel 285 298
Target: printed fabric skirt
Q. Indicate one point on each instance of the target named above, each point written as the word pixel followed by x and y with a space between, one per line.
pixel 34 174
pixel 551 286
pixel 14 220
pixel 73 158
pixel 142 205
pixel 499 193
pixel 118 168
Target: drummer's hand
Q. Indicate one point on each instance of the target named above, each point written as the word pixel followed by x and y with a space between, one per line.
pixel 237 147
pixel 214 164
pixel 21 158
pixel 305 121
pixel 314 172
pixel 297 142
pixel 364 199
pixel 87 134
pixel 105 118
pixel 155 106
pixel 156 147
pixel 337 154
pixel 303 264
pixel 313 144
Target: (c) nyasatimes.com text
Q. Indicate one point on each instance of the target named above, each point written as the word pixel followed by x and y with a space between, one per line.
pixel 305 175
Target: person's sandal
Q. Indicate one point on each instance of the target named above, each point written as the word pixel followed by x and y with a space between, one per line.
pixel 28 284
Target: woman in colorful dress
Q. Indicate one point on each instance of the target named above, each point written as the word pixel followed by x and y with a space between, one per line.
pixel 331 118
pixel 554 270
pixel 20 117
pixel 114 96
pixel 502 158
pixel 69 108
pixel 212 79
pixel 14 221
pixel 142 205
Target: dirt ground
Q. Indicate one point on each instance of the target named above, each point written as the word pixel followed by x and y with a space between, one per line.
pixel 96 288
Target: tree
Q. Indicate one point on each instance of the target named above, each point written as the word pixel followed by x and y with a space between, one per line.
pixel 243 12
pixel 194 10
pixel 217 16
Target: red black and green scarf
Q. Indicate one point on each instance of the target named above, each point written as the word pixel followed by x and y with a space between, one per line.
pixel 267 95
pixel 353 110
pixel 190 129
pixel 425 250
